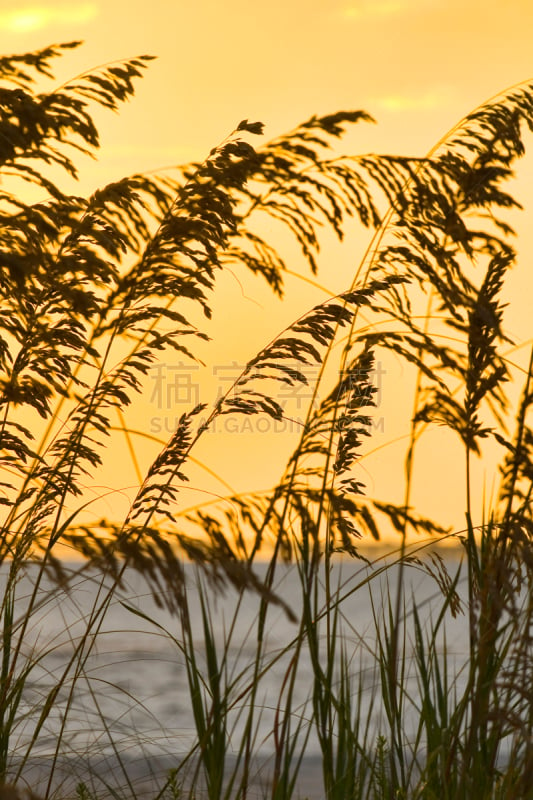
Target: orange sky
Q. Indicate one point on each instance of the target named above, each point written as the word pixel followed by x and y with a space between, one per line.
pixel 416 65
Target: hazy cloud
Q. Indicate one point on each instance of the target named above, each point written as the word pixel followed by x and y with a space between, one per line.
pixel 364 9
pixel 424 101
pixel 33 18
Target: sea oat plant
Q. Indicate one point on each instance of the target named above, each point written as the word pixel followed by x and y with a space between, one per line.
pixel 95 290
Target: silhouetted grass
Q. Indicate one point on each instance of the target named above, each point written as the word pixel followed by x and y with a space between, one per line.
pixel 96 290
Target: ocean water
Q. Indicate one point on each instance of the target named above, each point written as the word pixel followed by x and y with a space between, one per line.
pixel 128 699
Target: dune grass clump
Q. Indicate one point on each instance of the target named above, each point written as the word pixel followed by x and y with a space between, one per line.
pixel 97 290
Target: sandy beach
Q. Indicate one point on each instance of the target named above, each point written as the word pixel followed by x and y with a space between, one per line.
pixel 144 780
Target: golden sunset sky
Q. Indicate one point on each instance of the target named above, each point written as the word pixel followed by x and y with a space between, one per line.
pixel 417 66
